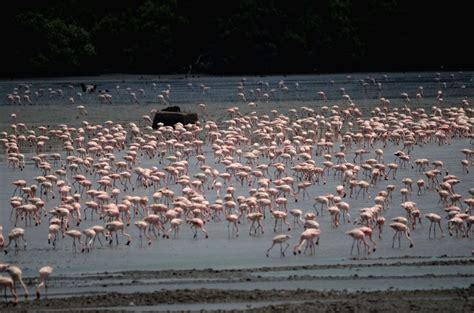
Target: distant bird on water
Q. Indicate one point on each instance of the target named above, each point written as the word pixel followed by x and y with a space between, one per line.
pixel 88 88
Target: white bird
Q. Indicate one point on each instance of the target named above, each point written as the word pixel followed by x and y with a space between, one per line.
pixel 44 272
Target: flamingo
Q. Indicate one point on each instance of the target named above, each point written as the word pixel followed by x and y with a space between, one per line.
pixel 233 219
pixel 8 283
pixel 280 239
pixel 142 227
pixel 434 219
pixel 115 227
pixel 401 228
pixel 75 235
pixel 2 239
pixel 359 237
pixel 308 236
pixel 15 235
pixel 197 223
pixel 44 272
pixel 15 274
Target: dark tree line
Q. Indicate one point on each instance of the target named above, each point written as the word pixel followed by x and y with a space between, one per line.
pixel 71 37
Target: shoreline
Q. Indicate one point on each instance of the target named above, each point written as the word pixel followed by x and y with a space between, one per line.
pixel 267 289
pixel 415 261
pixel 452 300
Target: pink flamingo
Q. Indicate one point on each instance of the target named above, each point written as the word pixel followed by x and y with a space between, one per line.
pixel 175 224
pixel 7 283
pixel 15 274
pixel 255 218
pixel 197 223
pixel 53 231
pixel 115 227
pixel 75 235
pixel 358 236
pixel 15 235
pixel 380 221
pixel 434 219
pixel 2 239
pixel 44 272
pixel 308 236
pixel 280 216
pixel 323 200
pixel 90 234
pixel 280 239
pixel 233 219
pixel 297 214
pixel 335 213
pixel 142 227
pixel 401 228
pixel 368 234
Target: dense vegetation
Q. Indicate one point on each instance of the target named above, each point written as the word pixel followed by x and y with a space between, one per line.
pixel 70 37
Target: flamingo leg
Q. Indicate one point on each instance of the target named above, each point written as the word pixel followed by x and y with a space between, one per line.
pixel 24 287
pixel 284 250
pixel 409 239
pixel 270 249
pixel 441 229
pixel 353 243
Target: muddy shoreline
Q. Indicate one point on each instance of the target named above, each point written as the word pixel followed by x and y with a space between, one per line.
pixel 243 273
pixel 452 300
pixel 205 295
pixel 232 272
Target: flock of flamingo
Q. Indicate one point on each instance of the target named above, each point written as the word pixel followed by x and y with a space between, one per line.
pixel 252 168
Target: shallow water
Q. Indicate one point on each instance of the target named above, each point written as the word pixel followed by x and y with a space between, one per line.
pixel 181 307
pixel 220 251
pixel 363 89
pixel 350 285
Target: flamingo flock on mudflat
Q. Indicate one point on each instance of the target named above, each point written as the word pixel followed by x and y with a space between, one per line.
pixel 256 167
